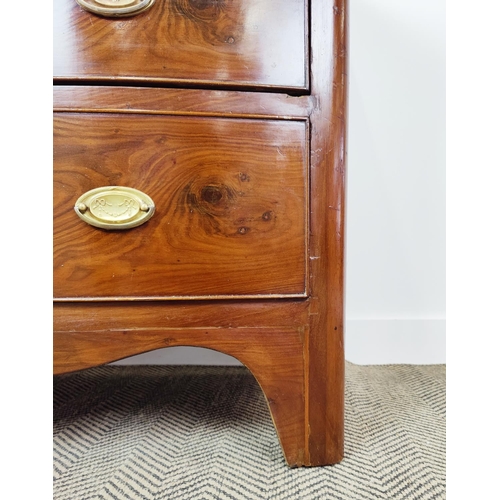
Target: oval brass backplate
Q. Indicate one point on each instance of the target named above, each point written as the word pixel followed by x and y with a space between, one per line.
pixel 115 207
pixel 115 8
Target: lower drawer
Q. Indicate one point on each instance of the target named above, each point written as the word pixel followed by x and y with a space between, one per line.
pixel 231 206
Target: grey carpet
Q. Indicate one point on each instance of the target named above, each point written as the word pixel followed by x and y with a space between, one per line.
pixel 180 432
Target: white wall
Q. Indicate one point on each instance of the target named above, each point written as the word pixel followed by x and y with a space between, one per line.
pixel 396 182
pixel 395 252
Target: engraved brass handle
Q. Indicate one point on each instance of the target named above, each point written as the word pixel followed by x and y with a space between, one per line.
pixel 114 207
pixel 115 8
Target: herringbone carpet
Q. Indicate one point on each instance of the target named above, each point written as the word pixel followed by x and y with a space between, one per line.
pixel 164 432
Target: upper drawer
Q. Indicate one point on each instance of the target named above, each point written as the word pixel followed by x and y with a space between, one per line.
pixel 231 206
pixel 199 43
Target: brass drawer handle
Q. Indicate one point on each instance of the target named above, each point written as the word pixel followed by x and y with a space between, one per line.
pixel 115 8
pixel 114 207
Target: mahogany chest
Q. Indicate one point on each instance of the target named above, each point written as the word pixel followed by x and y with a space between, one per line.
pixel 199 178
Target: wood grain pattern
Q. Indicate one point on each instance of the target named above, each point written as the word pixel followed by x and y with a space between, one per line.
pixel 294 346
pixel 281 379
pixel 229 195
pixel 181 102
pixel 121 315
pixel 189 42
pixel 327 234
pixel 266 336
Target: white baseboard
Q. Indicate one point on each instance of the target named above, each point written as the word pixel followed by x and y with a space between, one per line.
pixel 367 342
pixel 180 356
pixel 396 341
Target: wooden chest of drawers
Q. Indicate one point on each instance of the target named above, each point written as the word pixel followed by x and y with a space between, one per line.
pixel 229 118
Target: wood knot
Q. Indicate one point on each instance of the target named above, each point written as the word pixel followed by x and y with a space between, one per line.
pixel 200 11
pixel 211 194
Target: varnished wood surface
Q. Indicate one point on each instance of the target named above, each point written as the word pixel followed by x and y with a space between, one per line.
pixel 181 101
pixel 309 331
pixel 327 230
pixel 231 204
pixel 120 316
pixel 250 43
pixel 280 377
pixel 266 336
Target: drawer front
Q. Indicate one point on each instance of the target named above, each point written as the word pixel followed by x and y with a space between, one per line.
pixel 233 43
pixel 231 203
